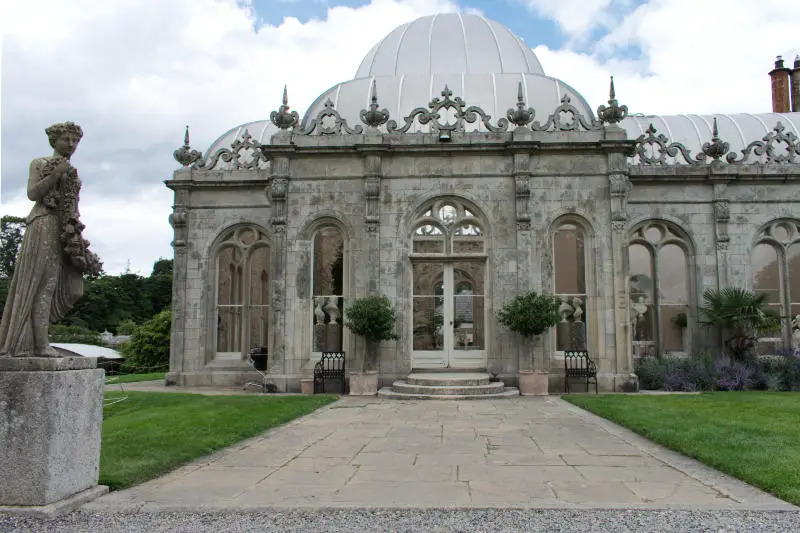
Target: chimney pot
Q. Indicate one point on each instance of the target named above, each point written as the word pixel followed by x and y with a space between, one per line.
pixel 779 62
pixel 781 87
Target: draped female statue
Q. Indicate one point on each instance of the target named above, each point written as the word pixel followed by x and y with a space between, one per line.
pixel 48 277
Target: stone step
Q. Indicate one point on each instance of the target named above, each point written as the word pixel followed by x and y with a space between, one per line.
pixel 388 393
pixel 448 379
pixel 411 388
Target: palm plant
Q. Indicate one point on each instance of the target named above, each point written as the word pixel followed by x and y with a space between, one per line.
pixel 742 314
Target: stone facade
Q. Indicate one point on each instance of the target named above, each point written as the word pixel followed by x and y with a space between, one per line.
pixel 471 205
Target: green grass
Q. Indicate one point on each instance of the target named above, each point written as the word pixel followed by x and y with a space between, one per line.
pixel 133 378
pixel 754 436
pixel 149 434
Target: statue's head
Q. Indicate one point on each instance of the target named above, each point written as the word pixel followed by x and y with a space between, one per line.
pixel 64 137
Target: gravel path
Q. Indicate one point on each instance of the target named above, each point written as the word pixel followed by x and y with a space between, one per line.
pixel 417 521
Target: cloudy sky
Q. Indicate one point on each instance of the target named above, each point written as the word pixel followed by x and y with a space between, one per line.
pixel 134 72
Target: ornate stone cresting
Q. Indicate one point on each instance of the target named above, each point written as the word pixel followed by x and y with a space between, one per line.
pixel 374 117
pixel 769 147
pixel 566 117
pixel 776 147
pixel 283 118
pixel 329 122
pixel 613 113
pixel 185 155
pixel 244 154
pixel 521 116
pixel 457 107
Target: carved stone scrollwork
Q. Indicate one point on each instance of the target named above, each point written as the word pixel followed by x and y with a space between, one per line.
pixel 283 118
pixel 372 191
pixel 523 226
pixel 574 119
pixel 520 116
pixel 717 147
pixel 614 113
pixel 654 149
pixel 523 195
pixel 722 216
pixel 278 192
pixel 185 155
pixel 330 122
pixel 244 153
pixel 619 187
pixel 619 226
pixel 767 146
pixel 375 116
pixel 461 112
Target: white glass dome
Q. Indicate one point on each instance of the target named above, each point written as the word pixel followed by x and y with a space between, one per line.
pixel 449 43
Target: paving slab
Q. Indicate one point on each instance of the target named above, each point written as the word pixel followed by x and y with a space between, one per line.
pixel 373 453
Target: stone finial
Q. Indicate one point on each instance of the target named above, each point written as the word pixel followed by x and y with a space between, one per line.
pixel 717 147
pixel 613 113
pixel 375 116
pixel 520 116
pixel 283 118
pixel 185 155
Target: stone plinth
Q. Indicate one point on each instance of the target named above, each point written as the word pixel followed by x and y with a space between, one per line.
pixel 365 384
pixel 533 383
pixel 307 386
pixel 51 413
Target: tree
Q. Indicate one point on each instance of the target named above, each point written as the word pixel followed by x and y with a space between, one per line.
pixel 740 314
pixel 159 285
pixel 530 314
pixel 11 231
pixel 148 349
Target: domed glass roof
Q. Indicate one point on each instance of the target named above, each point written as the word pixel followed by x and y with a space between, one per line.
pixel 450 43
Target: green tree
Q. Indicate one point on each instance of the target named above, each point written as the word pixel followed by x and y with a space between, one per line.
pixel 741 316
pixel 159 285
pixel 374 319
pixel 148 349
pixel 530 315
pixel 11 231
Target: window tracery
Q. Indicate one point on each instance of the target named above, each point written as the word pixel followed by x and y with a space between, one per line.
pixel 448 227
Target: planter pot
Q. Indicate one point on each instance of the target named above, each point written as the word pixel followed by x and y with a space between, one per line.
pixel 533 383
pixel 307 386
pixel 364 384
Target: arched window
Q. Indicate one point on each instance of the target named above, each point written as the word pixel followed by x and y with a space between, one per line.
pixel 659 289
pixel 327 282
pixel 775 263
pixel 569 259
pixel 448 227
pixel 242 292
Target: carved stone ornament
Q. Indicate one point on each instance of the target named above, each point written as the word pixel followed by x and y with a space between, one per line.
pixel 185 155
pixel 244 153
pixel 283 118
pixel 375 116
pixel 717 147
pixel 654 149
pixel 614 113
pixel 520 116
pixel 766 147
pixel 462 113
pixel 574 119
pixel 329 122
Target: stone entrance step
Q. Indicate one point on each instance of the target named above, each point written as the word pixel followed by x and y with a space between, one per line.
pixel 448 386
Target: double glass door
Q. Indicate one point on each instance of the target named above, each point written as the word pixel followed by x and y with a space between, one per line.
pixel 449 314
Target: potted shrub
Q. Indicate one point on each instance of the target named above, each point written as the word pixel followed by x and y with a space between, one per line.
pixel 530 315
pixel 373 318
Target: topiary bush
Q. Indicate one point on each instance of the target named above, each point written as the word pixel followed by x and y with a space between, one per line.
pixel 374 319
pixel 530 314
pixel 148 349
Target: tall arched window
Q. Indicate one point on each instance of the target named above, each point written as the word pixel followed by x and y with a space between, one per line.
pixel 569 259
pixel 242 292
pixel 327 282
pixel 775 264
pixel 659 289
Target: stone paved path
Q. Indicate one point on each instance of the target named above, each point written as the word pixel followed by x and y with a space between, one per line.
pixel 523 453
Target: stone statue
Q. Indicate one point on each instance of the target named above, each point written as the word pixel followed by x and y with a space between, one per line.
pixel 638 309
pixel 565 310
pixel 577 303
pixel 48 278
pixel 796 331
pixel 319 314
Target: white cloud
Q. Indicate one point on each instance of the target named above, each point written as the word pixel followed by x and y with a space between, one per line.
pixel 133 72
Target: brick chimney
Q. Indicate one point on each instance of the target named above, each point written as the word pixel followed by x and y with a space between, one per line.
pixel 796 85
pixel 780 87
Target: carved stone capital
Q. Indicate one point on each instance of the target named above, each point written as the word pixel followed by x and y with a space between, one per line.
pixel 619 226
pixel 523 226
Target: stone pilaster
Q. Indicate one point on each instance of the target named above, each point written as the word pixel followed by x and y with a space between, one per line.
pixel 530 354
pixel 372 218
pixel 722 216
pixel 278 190
pixel 178 221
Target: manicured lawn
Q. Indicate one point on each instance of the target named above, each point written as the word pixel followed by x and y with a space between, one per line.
pixel 754 436
pixel 151 433
pixel 133 378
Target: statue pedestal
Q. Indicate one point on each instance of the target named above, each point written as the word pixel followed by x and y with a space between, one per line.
pixel 364 384
pixel 51 413
pixel 533 383
pixel 563 335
